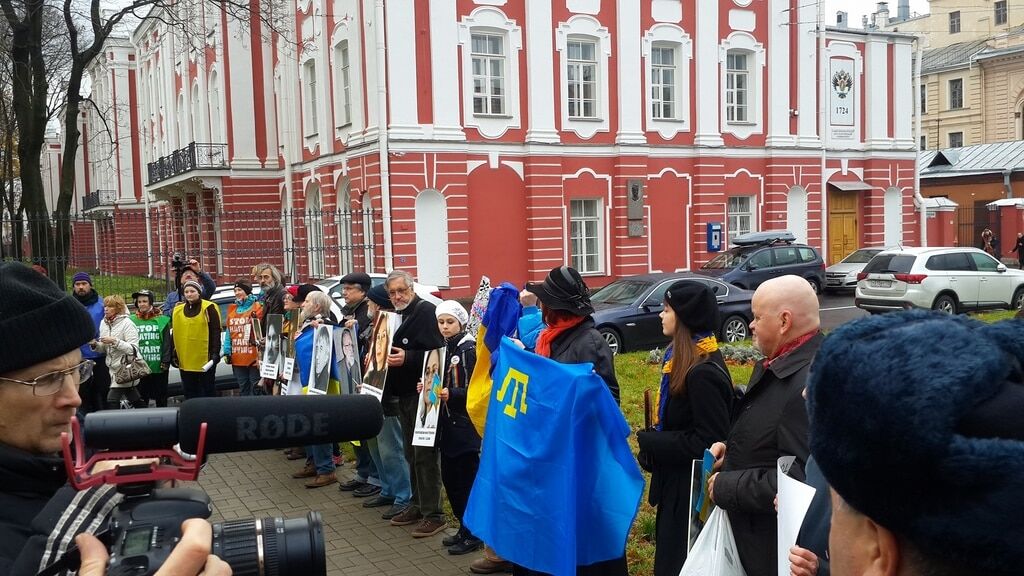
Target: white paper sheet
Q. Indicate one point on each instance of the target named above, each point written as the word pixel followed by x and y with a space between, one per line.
pixel 794 500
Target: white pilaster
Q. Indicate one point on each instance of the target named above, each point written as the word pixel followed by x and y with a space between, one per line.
pixel 540 57
pixel 707 91
pixel 807 75
pixel 238 41
pixel 402 98
pixel 444 52
pixel 903 108
pixel 876 98
pixel 631 101
pixel 779 72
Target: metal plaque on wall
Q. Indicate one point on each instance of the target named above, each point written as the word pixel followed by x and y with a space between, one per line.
pixel 635 199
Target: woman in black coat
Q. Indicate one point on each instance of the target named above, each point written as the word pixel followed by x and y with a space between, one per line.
pixel 694 404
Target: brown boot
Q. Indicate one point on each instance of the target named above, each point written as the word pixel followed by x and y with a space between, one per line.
pixel 490 563
pixel 308 472
pixel 322 480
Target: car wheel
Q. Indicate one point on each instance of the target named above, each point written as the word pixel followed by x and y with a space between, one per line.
pixel 735 329
pixel 1018 299
pixel 814 285
pixel 945 303
pixel 611 336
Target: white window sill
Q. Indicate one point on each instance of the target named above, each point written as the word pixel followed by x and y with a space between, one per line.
pixel 747 123
pixel 585 119
pixel 344 126
pixel 669 120
pixel 494 116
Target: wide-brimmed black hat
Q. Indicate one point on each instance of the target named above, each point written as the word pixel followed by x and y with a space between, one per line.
pixel 695 306
pixel 362 279
pixel 303 291
pixel 563 289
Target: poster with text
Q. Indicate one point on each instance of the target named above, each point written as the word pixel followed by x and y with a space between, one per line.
pixel 429 405
pixel 320 360
pixel 272 362
pixel 842 92
pixel 346 350
pixel 377 359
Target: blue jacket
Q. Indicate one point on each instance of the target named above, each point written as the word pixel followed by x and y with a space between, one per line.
pixel 209 287
pixel 96 311
pixel 531 322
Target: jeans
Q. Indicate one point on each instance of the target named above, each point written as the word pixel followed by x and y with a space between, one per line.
pixel 366 470
pixel 389 458
pixel 247 377
pixel 321 456
pixel 425 474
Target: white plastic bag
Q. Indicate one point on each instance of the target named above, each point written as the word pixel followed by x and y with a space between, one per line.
pixel 714 553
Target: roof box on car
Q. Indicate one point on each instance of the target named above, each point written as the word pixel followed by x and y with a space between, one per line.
pixel 767 237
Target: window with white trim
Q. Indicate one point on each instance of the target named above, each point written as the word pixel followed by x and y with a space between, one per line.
pixel 581 74
pixel 664 82
pixel 956 139
pixel 1000 11
pixel 737 86
pixel 309 112
pixel 739 217
pixel 585 245
pixel 488 53
pixel 956 93
pixel 343 84
pixel 954 22
pixel 924 142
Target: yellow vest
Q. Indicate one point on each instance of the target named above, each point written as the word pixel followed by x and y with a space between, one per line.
pixel 192 336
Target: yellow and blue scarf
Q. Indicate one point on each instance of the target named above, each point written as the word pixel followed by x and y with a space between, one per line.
pixel 707 344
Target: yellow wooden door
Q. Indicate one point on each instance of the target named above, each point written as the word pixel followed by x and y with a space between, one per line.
pixel 843 232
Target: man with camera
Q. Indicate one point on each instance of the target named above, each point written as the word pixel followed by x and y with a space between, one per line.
pixel 183 272
pixel 41 368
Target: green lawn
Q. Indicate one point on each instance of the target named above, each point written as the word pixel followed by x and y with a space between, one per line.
pixel 635 375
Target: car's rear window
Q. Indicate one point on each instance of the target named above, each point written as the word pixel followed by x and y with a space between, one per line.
pixel 808 254
pixel 890 263
pixel 727 260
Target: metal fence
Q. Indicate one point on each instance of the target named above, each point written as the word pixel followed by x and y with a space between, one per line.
pixel 125 250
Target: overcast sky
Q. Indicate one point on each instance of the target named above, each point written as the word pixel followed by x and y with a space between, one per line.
pixel 858 8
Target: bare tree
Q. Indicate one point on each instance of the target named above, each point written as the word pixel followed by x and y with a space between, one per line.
pixel 49 57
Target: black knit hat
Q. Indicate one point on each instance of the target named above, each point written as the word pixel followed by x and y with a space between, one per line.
pixel 360 278
pixel 564 289
pixel 695 306
pixel 915 421
pixel 379 296
pixel 244 284
pixel 38 321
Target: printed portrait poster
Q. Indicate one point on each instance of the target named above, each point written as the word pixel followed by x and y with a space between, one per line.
pixel 429 407
pixel 320 360
pixel 377 360
pixel 272 356
pixel 346 350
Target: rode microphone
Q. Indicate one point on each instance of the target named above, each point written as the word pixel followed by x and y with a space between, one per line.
pixel 237 424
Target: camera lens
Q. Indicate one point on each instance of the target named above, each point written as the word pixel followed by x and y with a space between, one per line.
pixel 272 546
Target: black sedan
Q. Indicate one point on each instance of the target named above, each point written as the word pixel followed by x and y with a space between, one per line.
pixel 627 310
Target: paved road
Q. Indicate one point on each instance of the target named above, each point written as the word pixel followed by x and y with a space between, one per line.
pixel 837 309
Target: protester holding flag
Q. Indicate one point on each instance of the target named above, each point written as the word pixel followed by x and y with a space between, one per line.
pixel 459 442
pixel 693 408
pixel 316 310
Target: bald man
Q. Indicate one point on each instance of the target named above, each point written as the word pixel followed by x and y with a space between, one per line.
pixel 770 421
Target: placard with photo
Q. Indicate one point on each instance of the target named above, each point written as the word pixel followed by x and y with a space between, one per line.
pixel 271 364
pixel 429 406
pixel 377 360
pixel 320 360
pixel 346 350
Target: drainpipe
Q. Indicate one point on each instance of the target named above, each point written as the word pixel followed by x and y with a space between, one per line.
pixel 1007 185
pixel 382 132
pixel 918 198
pixel 823 119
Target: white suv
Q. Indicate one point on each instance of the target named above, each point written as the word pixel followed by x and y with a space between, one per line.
pixel 948 279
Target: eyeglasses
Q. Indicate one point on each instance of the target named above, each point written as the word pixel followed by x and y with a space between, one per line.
pixel 52 382
pixel 400 291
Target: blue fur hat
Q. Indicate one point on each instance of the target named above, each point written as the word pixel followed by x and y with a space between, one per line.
pixel 917 421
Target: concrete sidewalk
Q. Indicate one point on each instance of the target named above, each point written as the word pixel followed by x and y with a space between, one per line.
pixel 358 541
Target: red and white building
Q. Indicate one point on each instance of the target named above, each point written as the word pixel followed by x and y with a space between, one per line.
pixel 520 134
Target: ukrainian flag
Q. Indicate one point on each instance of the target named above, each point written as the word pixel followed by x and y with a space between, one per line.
pixel 558 486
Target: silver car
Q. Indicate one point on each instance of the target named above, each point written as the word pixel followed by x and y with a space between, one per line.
pixel 843 274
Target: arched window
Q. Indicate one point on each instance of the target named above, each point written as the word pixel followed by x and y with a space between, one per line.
pixel 196 113
pixel 216 128
pixel 893 214
pixel 314 231
pixel 346 243
pixel 431 238
pixel 796 213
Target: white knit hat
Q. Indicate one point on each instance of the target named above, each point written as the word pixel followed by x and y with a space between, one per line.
pixel 454 309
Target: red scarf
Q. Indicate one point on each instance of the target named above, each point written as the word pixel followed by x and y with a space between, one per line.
pixel 789 347
pixel 555 328
pixel 153 313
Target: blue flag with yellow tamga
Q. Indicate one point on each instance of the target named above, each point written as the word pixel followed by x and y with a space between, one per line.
pixel 558 486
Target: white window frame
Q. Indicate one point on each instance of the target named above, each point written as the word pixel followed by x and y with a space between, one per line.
pixel 954 22
pixel 732 229
pixel 493 102
pixel 754 124
pixel 351 133
pixel 315 238
pixel 342 84
pixel 949 94
pixel 949 138
pixel 737 97
pixel 664 85
pixel 1000 8
pixel 579 260
pixel 310 114
pixel 491 21
pixel 577 69
pixel 585 28
pixel 663 36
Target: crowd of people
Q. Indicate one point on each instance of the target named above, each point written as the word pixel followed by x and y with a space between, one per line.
pixel 906 424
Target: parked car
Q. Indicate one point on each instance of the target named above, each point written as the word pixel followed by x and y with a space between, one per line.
pixel 332 286
pixel 948 279
pixel 626 312
pixel 761 256
pixel 843 274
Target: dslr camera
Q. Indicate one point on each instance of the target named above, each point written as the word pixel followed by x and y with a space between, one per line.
pixel 178 261
pixel 137 452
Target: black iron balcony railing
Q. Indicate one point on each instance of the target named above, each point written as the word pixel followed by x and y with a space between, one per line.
pixel 195 156
pixel 99 198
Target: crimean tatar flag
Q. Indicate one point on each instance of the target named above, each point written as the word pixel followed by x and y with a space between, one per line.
pixel 558 486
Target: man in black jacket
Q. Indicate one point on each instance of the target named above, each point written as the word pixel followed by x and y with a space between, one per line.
pixel 770 421
pixel 417 334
